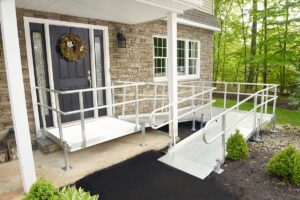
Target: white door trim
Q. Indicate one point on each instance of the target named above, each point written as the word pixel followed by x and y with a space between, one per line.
pixel 47 22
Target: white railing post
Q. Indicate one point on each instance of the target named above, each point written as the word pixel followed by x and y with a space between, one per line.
pixel 267 97
pixel 224 137
pixel 155 97
pixel 262 102
pixel 202 90
pixel 193 107
pixel 60 129
pixel 124 99
pixel 82 119
pixel 275 99
pixel 255 128
pixel 42 112
pixel 273 130
pixel 211 105
pixel 163 97
pixel 225 95
pixel 137 106
pixel 238 96
pixel 254 112
pixel 220 161
pixel 113 99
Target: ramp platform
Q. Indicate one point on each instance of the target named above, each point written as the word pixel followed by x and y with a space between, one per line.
pixel 96 130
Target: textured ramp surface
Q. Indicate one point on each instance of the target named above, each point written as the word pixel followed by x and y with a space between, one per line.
pixel 97 131
pixel 197 158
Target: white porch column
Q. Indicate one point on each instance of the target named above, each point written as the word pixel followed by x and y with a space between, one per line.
pixel 14 74
pixel 172 73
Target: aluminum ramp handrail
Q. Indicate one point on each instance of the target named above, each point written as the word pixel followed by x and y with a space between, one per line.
pixel 137 99
pixel 207 159
pixel 253 111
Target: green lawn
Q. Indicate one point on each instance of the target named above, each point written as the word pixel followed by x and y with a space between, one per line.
pixel 283 116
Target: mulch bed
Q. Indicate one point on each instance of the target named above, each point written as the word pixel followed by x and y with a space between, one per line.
pixel 249 179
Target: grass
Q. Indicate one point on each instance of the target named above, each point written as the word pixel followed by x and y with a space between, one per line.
pixel 283 116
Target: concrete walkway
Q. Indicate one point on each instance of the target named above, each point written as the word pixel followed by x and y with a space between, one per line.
pixel 84 162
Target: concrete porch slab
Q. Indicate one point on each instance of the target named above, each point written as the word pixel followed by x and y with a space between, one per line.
pixel 84 162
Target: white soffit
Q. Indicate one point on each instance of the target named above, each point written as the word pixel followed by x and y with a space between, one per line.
pixel 123 11
pixel 197 25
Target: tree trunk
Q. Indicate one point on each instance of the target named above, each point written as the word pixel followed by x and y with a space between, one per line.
pixel 218 54
pixel 265 24
pixel 241 3
pixel 252 66
pixel 283 71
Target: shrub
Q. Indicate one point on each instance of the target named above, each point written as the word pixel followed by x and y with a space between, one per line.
pixel 42 190
pixel 237 147
pixel 70 193
pixel 286 164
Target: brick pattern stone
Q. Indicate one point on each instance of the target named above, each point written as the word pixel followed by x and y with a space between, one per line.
pixel 134 63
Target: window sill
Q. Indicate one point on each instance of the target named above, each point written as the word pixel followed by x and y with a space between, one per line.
pixel 180 78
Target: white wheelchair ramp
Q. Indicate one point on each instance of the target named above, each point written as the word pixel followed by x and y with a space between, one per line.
pixel 193 156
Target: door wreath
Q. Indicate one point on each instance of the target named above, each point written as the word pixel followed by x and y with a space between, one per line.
pixel 72 47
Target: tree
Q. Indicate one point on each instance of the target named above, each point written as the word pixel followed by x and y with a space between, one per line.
pixel 259 41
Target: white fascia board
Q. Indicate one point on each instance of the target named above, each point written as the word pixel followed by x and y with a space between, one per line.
pixel 197 4
pixel 198 25
pixel 178 11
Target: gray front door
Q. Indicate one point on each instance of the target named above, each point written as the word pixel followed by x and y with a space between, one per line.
pixel 69 75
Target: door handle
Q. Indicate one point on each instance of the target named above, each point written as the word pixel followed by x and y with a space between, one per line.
pixel 89 78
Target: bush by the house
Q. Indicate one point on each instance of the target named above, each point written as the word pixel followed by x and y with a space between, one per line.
pixel 69 193
pixel 286 164
pixel 237 147
pixel 44 190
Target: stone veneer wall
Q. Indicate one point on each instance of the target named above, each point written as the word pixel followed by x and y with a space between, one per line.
pixel 134 63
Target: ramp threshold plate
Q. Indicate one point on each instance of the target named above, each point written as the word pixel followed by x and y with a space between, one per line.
pixel 97 131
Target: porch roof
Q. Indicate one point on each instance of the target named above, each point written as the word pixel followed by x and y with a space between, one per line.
pixel 122 11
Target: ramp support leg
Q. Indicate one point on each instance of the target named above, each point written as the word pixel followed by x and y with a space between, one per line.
pixel 194 122
pixel 66 155
pixel 220 161
pixel 143 131
pixel 257 137
pixel 202 121
pixel 218 168
pixel 273 129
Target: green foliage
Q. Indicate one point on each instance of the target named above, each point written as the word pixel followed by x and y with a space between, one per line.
pixel 277 47
pixel 71 193
pixel 42 190
pixel 237 147
pixel 295 98
pixel 286 164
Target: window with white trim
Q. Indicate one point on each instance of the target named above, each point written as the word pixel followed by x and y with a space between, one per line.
pixel 188 58
pixel 160 57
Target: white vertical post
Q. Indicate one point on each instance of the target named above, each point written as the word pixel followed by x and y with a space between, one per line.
pixel 14 74
pixel 225 96
pixel 172 73
pixel 93 70
pixel 238 96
